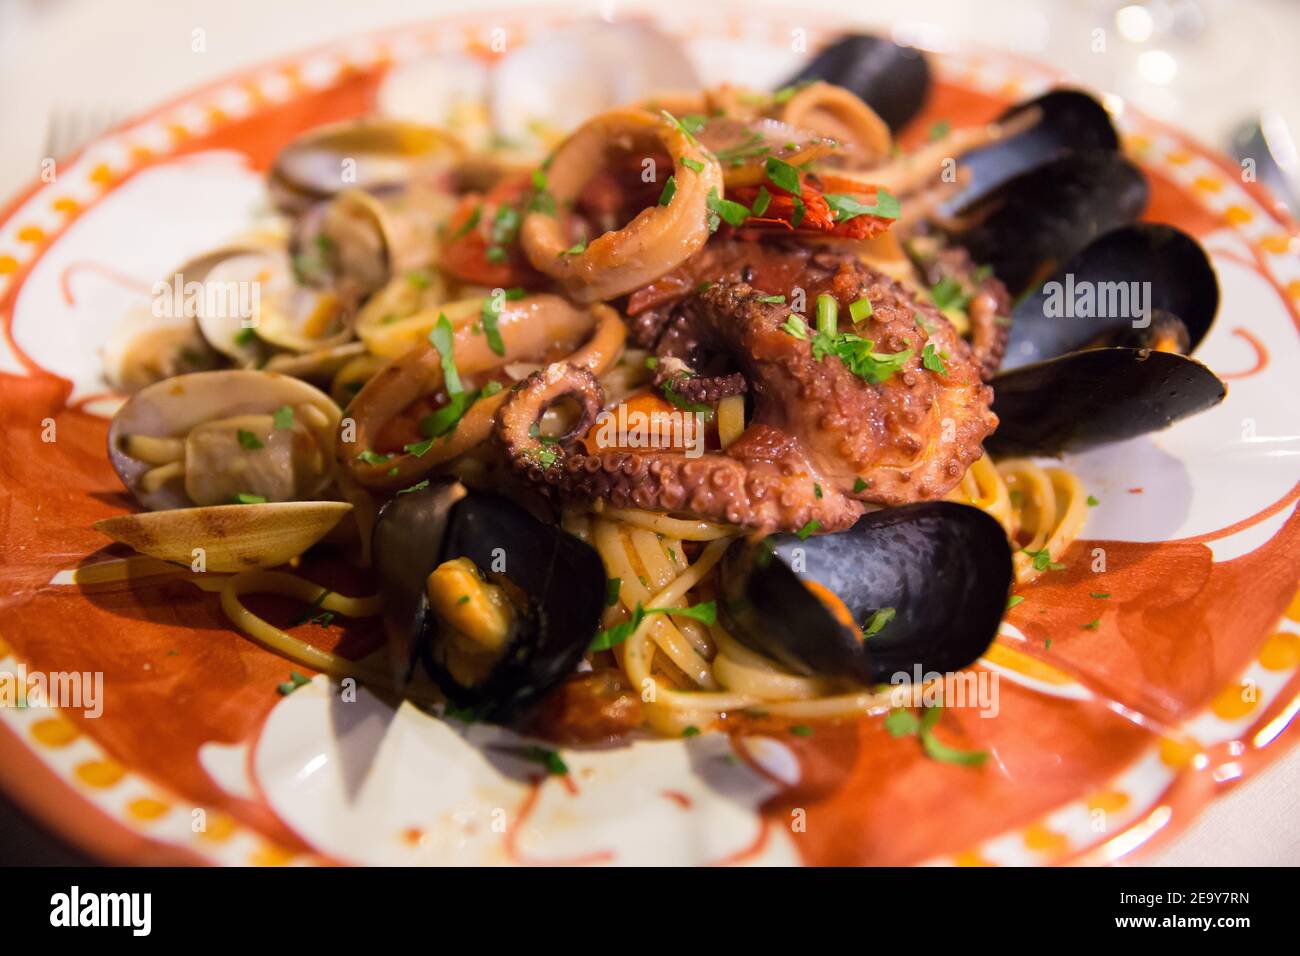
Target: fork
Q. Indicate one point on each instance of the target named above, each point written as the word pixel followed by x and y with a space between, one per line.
pixel 70 128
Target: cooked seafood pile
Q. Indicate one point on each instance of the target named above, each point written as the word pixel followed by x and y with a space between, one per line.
pixel 810 339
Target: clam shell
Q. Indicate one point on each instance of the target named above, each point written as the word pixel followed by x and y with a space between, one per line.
pixel 171 408
pixel 232 537
pixel 224 329
pixel 144 348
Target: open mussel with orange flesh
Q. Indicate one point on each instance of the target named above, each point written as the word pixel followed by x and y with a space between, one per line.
pixel 922 585
pixel 496 605
pixel 893 80
pixel 1096 353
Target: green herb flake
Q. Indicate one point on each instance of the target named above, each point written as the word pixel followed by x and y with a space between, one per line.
pixel 1092 501
pixel 670 190
pixel 876 623
pixel 418 486
pixel 419 448
pixel 295 681
pixel 577 249
pixel 419 278
pixel 245 336
pixel 690 731
pixel 939 130
pixel 248 441
pixel 860 309
pixel 732 212
pixel 283 417
pixel 859 485
pixel 612 588
pixel 809 529
pixel 1014 600
pixel 761 201
pixel 782 174
pixel 475 216
pixel 694 165
pixel 801 730
pixel 1043 560
pixel 373 458
pixel 1099 595
pixel 845 207
pixel 244 498
pixel 442 337
pixel 1091 625
pixel 772 299
pixel 796 326
pixel 932 359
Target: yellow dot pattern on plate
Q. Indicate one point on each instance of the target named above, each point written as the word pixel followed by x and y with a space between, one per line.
pixel 31 234
pixel 1178 157
pixel 1236 700
pixel 101 174
pixel 1238 215
pixel 1108 801
pixel 100 773
pixel 8 265
pixel 1178 753
pixel 270 855
pixel 1279 245
pixel 55 731
pixel 1137 143
pixel 1281 652
pixel 969 858
pixel 1042 839
pixel 65 204
pixel 146 808
pixel 1293 609
pixel 1207 184
pixel 218 828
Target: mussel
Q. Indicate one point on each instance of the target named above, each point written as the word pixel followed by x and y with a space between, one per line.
pixel 926 582
pixel 893 80
pixel 497 605
pixel 1095 354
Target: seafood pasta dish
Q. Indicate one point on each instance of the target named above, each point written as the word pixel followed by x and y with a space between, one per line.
pixel 720 406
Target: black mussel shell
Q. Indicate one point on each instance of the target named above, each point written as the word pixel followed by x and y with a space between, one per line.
pixel 1033 223
pixel 1093 397
pixel 944 568
pixel 893 80
pixel 1071 121
pixel 563 578
pixel 1161 260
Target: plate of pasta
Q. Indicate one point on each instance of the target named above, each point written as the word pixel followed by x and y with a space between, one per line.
pixel 671 440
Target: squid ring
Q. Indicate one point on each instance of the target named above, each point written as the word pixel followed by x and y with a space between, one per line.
pixel 837 113
pixel 530 328
pixel 656 241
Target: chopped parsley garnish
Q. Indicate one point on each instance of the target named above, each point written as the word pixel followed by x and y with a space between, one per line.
pixel 1091 625
pixel 474 217
pixel 733 212
pixel 1092 501
pixel 800 210
pixel 860 309
pixel 441 336
pixel 418 486
pixel 248 441
pixel 682 402
pixel 1043 560
pixel 244 498
pixel 947 293
pixel 612 588
pixel 859 485
pixel 817 489
pixel 463 599
pixel 505 230
pixel 489 315
pixel 810 528
pixel 681 126
pixel 419 278
pixel 373 458
pixel 904 723
pixel 855 352
pixel 801 730
pixel 690 731
pixel 706 612
pixel 1014 600
pixel 845 207
pixel 244 336
pixel 939 130
pixel 539 179
pixel 307 615
pixel 772 299
pixel 670 190
pixel 549 759
pixel 785 92
pixel 750 148
pixel 546 457
pixel 782 174
pixel 795 325
pixel 828 315
pixel 761 201
pixel 932 359
pixel 876 623
pixel 577 249
pixel 419 448
pixel 283 417
pixel 1099 595
pixel 922 323
pixel 694 165
pixel 295 681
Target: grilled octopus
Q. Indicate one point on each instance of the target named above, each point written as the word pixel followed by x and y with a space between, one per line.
pixel 823 444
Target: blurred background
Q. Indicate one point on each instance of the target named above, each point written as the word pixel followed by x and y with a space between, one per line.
pixel 1226 71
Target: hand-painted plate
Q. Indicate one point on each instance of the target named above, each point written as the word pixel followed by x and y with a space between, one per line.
pixel 1105 737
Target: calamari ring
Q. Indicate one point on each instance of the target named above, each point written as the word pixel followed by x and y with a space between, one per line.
pixel 657 240
pixel 530 329
pixel 835 112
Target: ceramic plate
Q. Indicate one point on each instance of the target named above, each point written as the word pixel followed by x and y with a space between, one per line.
pixel 1106 737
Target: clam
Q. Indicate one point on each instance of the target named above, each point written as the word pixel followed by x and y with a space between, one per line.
pixel 1094 354
pixel 216 438
pixel 925 583
pixel 497 605
pixel 145 348
pixel 229 538
pixel 893 80
pixel 368 153
pixel 563 77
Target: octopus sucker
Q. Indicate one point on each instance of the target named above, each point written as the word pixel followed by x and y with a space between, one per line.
pixel 820 439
